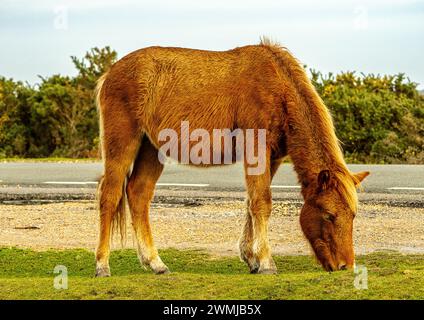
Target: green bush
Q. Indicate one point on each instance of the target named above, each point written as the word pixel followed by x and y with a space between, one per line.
pixel 56 118
pixel 378 118
pixel 14 118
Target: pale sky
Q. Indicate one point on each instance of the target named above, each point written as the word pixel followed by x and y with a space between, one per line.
pixel 381 36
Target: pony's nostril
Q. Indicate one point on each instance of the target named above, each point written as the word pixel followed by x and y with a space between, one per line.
pixel 342 266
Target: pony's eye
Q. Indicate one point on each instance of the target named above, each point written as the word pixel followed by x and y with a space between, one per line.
pixel 328 216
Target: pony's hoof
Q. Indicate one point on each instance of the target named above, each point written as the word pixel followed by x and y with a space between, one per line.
pixel 267 271
pixel 254 269
pixel 162 270
pixel 102 272
pixel 253 265
pixel 158 266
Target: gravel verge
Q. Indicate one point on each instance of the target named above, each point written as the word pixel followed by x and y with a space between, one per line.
pixel 213 226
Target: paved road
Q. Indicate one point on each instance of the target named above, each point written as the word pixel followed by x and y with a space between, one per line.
pixel 398 179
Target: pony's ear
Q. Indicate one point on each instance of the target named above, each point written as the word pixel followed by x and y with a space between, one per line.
pixel 323 180
pixel 358 177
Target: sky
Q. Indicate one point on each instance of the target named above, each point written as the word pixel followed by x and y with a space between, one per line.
pixel 376 36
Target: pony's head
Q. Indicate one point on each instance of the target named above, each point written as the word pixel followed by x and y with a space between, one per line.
pixel 327 217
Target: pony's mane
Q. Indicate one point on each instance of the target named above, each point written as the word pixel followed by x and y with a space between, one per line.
pixel 328 142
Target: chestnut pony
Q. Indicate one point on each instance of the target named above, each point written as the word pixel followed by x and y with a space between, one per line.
pixel 253 87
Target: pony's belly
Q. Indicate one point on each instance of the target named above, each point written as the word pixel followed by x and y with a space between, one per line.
pixel 202 152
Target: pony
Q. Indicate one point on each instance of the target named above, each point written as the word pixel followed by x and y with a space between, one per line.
pixel 259 86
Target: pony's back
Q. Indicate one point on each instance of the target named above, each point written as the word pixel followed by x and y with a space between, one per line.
pixel 163 86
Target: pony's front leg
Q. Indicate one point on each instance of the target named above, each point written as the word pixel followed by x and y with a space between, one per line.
pixel 246 243
pixel 246 239
pixel 259 202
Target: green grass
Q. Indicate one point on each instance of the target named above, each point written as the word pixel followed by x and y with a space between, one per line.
pixel 26 274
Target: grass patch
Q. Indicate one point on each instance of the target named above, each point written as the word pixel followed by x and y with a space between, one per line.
pixel 27 274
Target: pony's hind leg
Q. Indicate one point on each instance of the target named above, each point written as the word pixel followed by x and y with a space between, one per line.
pixel 111 201
pixel 140 190
pixel 120 143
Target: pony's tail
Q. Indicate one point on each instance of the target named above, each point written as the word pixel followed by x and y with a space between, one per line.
pixel 97 94
pixel 119 222
pixel 119 219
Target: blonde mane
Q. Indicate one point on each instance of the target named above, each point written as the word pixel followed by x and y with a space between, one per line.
pixel 322 123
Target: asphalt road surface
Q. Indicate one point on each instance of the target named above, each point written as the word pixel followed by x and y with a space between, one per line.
pixel 398 179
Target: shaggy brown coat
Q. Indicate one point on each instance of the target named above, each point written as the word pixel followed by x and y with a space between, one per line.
pixel 253 87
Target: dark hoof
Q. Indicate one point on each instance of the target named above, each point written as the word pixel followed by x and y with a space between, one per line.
pixel 254 270
pixel 102 273
pixel 162 271
pixel 253 266
pixel 267 271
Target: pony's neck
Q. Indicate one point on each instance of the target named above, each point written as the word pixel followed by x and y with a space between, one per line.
pixel 312 142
